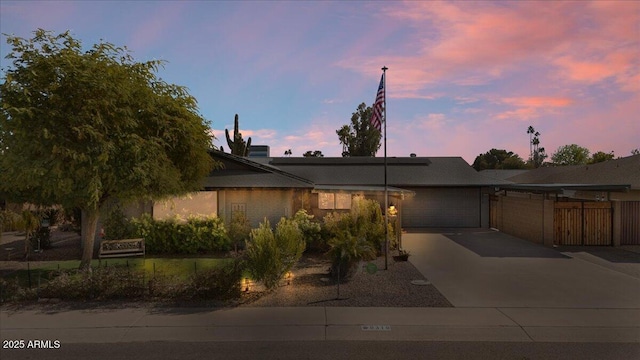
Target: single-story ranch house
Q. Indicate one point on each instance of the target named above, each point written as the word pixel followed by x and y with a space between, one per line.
pixel 432 192
pixel 569 205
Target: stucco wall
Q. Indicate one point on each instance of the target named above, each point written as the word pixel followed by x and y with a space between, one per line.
pixel 522 216
pixel 257 204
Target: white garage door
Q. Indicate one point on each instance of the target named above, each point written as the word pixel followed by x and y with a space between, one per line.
pixel 442 207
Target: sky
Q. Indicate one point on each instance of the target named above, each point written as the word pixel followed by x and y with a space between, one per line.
pixel 463 77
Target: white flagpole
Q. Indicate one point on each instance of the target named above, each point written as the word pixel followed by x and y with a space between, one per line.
pixel 386 190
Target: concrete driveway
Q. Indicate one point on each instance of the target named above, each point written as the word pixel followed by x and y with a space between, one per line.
pixel 485 268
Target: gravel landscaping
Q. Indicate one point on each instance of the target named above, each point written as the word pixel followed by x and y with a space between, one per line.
pixel 383 288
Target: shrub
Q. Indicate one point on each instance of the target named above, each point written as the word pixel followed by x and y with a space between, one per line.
pixel 10 290
pixel 41 238
pixel 348 243
pixel 239 229
pixel 354 236
pixel 271 255
pixel 221 283
pixel 99 284
pixel 172 236
pixel 117 226
pixel 311 231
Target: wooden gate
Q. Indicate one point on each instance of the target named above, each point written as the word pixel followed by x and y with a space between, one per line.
pixel 582 223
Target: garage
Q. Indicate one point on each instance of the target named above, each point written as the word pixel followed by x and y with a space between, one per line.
pixel 442 207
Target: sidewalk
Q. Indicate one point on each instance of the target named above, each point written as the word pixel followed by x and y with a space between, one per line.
pixel 319 324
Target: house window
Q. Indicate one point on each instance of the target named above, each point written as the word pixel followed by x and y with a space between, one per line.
pixel 331 201
pixel 239 207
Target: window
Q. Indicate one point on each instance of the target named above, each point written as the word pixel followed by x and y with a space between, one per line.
pixel 239 207
pixel 330 201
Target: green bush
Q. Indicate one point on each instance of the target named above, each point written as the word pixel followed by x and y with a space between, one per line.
pixel 354 236
pixel 348 244
pixel 117 226
pixel 99 284
pixel 220 283
pixel 311 231
pixel 239 229
pixel 109 283
pixel 196 235
pixel 10 290
pixel 271 255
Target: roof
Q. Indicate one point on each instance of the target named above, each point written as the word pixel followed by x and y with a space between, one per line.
pixel 622 171
pixel 240 172
pixel 560 188
pixel 401 172
pixel 501 174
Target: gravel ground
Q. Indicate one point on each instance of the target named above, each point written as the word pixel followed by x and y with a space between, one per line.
pixel 384 288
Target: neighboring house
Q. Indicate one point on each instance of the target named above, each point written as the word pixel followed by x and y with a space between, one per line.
pixel 596 204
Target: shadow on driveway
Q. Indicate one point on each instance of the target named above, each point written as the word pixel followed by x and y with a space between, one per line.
pixel 487 244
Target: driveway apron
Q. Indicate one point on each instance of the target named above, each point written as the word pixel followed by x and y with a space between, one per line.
pixel 485 268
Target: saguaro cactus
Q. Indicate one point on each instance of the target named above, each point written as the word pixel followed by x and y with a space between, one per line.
pixel 237 146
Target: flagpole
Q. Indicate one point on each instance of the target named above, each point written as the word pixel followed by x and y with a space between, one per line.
pixel 386 190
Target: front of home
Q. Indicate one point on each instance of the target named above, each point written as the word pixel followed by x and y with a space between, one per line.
pixel 598 204
pixel 434 192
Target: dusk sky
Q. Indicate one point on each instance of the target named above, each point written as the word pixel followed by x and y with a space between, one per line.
pixel 464 77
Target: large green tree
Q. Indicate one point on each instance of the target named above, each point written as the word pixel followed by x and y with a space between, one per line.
pixel 498 159
pixel 360 138
pixel 570 155
pixel 80 127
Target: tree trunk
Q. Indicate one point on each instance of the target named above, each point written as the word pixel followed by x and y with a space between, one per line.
pixel 89 226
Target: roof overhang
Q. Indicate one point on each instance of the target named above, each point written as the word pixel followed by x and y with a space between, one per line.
pixel 560 188
pixel 364 189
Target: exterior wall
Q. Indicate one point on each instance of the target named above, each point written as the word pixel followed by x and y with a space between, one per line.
pixel 198 203
pixel 257 204
pixel 523 215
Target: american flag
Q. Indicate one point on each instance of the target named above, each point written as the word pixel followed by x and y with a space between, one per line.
pixel 378 106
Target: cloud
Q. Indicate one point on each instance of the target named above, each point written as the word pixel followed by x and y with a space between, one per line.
pixel 468 44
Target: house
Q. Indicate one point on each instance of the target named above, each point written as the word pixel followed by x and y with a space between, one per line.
pixel 427 192
pixel 595 204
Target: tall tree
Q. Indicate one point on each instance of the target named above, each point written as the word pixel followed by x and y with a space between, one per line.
pixel 80 127
pixel 237 146
pixel 498 159
pixel 570 155
pixel 537 154
pixel 360 138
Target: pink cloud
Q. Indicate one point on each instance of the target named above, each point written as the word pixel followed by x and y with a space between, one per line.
pixel 540 101
pixel 477 43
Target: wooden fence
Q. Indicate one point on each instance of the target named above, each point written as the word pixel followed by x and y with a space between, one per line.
pixel 630 223
pixel 582 223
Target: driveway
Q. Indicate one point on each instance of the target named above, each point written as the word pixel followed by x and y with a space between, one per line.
pixel 485 268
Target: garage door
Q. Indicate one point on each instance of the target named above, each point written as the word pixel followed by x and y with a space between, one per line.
pixel 442 207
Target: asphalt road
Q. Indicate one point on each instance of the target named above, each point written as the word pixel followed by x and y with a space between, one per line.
pixel 334 350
